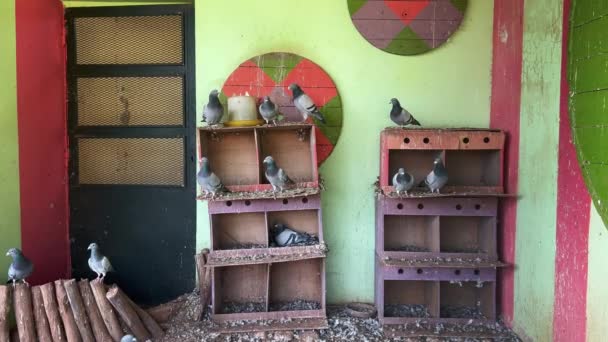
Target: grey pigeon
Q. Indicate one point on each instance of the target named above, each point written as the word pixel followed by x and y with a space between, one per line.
pixel 284 236
pixel 268 110
pixel 20 268
pixel 437 178
pixel 401 116
pixel 128 338
pixel 213 110
pixel 403 181
pixel 305 104
pixel 208 180
pixel 99 263
pixel 276 176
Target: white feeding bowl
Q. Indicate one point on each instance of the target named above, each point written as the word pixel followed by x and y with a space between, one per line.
pixel 242 111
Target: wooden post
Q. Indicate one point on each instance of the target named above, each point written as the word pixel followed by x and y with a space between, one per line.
pixel 42 324
pixel 149 322
pixel 99 327
pixel 24 314
pixel 80 313
pixel 5 308
pixel 52 312
pixel 204 280
pixel 106 310
pixel 121 304
pixel 67 316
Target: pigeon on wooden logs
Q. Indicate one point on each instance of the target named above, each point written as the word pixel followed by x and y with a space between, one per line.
pixel 400 116
pixel 284 236
pixel 99 263
pixel 128 338
pixel 268 110
pixel 208 180
pixel 403 181
pixel 437 178
pixel 20 268
pixel 305 104
pixel 276 176
pixel 213 110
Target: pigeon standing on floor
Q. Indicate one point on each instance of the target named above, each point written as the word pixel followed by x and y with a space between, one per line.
pixel 20 268
pixel 400 116
pixel 99 263
pixel 213 110
pixel 284 236
pixel 305 104
pixel 437 178
pixel 268 110
pixel 403 181
pixel 128 338
pixel 276 176
pixel 208 180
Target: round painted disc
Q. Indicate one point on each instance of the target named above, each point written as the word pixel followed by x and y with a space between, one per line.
pixel 407 27
pixel 272 73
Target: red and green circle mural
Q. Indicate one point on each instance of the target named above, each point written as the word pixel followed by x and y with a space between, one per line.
pixel 407 27
pixel 270 75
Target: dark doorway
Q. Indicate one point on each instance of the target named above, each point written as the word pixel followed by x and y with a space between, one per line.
pixel 131 126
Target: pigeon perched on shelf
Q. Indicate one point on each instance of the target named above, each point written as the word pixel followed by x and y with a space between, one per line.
pixel 268 110
pixel 128 338
pixel 437 178
pixel 213 110
pixel 208 180
pixel 20 268
pixel 276 176
pixel 284 236
pixel 401 116
pixel 99 263
pixel 305 104
pixel 403 181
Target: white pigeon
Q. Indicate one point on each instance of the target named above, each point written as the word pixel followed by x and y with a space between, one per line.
pixel 99 263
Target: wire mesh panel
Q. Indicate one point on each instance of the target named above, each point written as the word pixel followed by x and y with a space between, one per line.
pixel 136 101
pixel 129 40
pixel 131 161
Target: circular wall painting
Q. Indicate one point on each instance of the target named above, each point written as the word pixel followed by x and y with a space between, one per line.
pixel 272 73
pixel 407 27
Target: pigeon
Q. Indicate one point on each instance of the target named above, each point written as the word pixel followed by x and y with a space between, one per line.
pixel 213 111
pixel 401 116
pixel 208 180
pixel 20 268
pixel 437 178
pixel 128 338
pixel 268 110
pixel 403 181
pixel 305 104
pixel 276 176
pixel 284 236
pixel 98 263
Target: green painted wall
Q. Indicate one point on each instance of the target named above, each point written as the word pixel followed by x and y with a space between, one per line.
pixel 447 87
pixel 539 132
pixel 9 168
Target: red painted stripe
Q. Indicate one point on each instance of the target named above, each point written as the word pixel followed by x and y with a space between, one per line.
pixel 572 235
pixel 505 110
pixel 41 110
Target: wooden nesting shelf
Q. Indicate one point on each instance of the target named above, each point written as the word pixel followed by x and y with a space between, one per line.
pixel 473 158
pixel 236 156
pixel 276 291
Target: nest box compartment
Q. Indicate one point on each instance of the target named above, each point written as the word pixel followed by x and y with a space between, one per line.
pixel 240 289
pixel 411 299
pixel 297 286
pixel 416 234
pixel 239 231
pixel 468 235
pixel 468 300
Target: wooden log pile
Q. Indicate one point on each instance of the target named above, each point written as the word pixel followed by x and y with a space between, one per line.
pixel 72 311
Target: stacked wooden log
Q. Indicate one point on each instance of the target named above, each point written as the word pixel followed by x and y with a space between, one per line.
pixel 73 311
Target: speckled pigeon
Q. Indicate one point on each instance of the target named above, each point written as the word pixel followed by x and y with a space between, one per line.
pixel 284 236
pixel 213 110
pixel 268 110
pixel 403 181
pixel 99 263
pixel 276 176
pixel 208 180
pixel 400 116
pixel 437 178
pixel 305 104
pixel 20 268
pixel 128 338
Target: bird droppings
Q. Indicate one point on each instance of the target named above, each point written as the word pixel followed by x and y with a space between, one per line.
pixel 247 307
pixel 469 250
pixel 297 305
pixel 408 248
pixel 269 255
pixel 265 194
pixel 183 327
pixel 407 310
pixel 461 311
pixel 245 246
